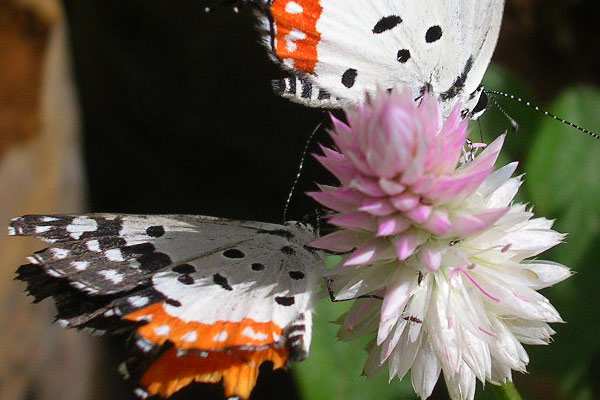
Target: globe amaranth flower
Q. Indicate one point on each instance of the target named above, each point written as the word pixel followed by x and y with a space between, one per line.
pixel 462 297
pixel 401 180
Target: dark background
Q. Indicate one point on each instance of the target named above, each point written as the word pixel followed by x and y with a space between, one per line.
pixel 179 116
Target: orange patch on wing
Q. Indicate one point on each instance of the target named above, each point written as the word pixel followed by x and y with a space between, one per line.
pixel 162 327
pixel 237 368
pixel 296 35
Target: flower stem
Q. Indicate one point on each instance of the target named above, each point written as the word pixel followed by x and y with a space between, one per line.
pixel 508 391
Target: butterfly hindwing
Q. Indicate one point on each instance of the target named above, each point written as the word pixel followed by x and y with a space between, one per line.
pixel 348 48
pixel 209 299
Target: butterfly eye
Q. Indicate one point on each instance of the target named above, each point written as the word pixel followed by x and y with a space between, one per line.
pixel 481 105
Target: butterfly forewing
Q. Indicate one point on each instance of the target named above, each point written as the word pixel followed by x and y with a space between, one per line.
pixel 218 296
pixel 349 48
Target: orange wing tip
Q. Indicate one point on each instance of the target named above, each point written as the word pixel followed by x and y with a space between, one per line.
pixel 161 327
pixel 238 369
pixel 296 35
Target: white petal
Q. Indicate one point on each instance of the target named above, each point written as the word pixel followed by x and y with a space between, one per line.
pixel 425 370
pixel 548 273
pixel 496 179
pixel 461 386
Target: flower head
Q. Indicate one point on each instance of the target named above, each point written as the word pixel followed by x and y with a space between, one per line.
pixel 438 255
pixel 401 180
pixel 469 317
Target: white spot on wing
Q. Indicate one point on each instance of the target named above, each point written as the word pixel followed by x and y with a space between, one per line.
pixel 112 275
pixel 147 318
pixel 11 231
pixel 80 225
pixel 138 301
pixel 114 255
pixel 162 330
pixel 93 245
pixel 220 337
pixel 80 265
pixel 293 8
pixel 59 253
pixel 190 337
pixel 249 333
pixel 49 219
pixel 291 38
pixel 42 228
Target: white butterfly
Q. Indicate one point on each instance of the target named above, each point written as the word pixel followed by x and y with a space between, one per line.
pixel 208 299
pixel 339 50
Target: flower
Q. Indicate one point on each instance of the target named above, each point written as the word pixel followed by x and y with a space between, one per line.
pixel 401 180
pixel 445 280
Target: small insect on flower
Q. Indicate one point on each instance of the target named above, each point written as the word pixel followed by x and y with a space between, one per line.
pixel 436 250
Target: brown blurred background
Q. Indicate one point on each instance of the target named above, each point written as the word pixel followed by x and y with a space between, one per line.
pixel 153 106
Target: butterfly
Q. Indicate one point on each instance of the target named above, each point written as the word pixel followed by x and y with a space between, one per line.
pixel 206 299
pixel 340 51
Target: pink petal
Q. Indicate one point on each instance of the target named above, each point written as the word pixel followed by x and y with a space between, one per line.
pixel 406 243
pixel 405 201
pixel 420 213
pixel 341 169
pixel 391 187
pixel 378 207
pixel 464 223
pixel 392 225
pixel 372 252
pixel 368 186
pixel 355 220
pixel 339 242
pixel 341 199
pixel 431 256
pixel 438 223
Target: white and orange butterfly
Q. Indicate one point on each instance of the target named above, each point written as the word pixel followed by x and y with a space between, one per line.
pixel 206 299
pixel 339 51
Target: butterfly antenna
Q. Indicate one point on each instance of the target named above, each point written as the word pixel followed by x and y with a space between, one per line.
pixel 515 124
pixel 302 159
pixel 546 113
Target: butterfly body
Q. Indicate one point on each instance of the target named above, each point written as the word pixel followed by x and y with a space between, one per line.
pixel 347 49
pixel 209 299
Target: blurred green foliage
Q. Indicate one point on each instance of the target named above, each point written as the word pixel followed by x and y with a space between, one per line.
pixel 562 181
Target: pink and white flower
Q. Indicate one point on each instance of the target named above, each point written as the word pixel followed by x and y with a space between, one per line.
pixel 438 254
pixel 402 181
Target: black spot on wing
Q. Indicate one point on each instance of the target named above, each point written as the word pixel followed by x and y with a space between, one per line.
pixel 172 302
pixel 296 275
pixel 433 34
pixel 184 269
pixel 233 253
pixel 257 267
pixel 147 256
pixel 221 281
pixel 386 23
pixel 155 231
pixel 186 279
pixel 403 56
pixel 349 77
pixel 285 301
pixel 288 250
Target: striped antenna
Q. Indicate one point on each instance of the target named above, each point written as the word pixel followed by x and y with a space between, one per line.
pixel 546 113
pixel 515 124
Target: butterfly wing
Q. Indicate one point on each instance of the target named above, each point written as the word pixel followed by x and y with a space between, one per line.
pixel 348 48
pixel 210 299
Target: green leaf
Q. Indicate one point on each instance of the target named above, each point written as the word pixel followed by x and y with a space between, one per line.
pixel 564 172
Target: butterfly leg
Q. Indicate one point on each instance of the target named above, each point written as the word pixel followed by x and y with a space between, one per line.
pixel 329 282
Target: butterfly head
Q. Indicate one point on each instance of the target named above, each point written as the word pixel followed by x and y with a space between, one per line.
pixel 476 105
